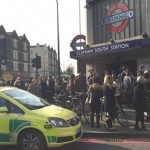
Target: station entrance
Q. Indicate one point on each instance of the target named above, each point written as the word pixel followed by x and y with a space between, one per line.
pixel 117 67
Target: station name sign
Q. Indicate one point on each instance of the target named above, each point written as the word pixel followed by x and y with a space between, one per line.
pixel 117 18
pixel 103 49
pixel 111 48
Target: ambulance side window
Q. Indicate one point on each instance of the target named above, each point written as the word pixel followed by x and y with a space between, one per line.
pixel 11 107
pixel 15 109
pixel 2 102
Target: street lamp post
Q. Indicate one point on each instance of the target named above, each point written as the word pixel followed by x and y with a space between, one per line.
pixel 58 44
pixel 79 17
pixel 80 20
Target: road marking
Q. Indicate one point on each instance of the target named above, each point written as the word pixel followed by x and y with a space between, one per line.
pixel 117 140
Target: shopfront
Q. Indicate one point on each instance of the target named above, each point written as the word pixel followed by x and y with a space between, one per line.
pixel 118 33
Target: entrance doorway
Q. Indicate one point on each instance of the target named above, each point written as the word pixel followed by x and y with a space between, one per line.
pixel 117 67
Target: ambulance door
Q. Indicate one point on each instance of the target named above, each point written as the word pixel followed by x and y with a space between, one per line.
pixel 7 121
pixel 4 121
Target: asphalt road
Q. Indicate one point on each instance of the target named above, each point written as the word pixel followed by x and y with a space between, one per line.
pixel 104 144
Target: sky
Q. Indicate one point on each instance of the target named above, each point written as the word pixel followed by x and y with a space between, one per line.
pixel 37 19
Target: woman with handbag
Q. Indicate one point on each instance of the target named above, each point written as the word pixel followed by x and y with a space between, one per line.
pixel 96 94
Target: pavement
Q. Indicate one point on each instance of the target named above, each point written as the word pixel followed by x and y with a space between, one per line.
pixel 121 132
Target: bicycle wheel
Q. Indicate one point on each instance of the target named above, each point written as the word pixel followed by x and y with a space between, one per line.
pixel 86 110
pixel 122 119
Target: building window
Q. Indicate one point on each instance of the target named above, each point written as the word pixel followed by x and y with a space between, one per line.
pixel 15 43
pixel 25 67
pixel 25 46
pixel 15 66
pixel 52 61
pixel 15 55
pixel 52 55
pixel 52 68
pixel 31 52
pixel 25 57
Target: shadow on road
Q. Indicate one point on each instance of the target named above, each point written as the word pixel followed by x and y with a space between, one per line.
pixel 90 146
pixel 78 146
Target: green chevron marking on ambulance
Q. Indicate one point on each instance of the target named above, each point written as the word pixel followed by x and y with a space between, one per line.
pixel 15 125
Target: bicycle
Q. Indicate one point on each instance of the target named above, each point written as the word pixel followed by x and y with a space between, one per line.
pixel 59 100
pixel 121 115
pixel 75 103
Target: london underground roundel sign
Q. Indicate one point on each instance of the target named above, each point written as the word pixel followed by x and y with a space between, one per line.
pixel 78 41
pixel 117 18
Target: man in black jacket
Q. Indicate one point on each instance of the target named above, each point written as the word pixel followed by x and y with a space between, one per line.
pixel 50 88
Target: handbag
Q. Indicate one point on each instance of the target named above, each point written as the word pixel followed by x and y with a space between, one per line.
pixel 89 98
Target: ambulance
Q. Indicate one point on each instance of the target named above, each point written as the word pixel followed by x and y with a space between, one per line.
pixel 31 123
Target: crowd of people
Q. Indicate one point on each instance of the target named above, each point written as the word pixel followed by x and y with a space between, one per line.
pixel 123 88
pixel 48 86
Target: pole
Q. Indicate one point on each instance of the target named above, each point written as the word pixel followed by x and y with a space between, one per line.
pixel 80 19
pixel 58 45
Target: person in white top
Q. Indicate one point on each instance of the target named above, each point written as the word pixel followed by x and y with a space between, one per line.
pixel 128 88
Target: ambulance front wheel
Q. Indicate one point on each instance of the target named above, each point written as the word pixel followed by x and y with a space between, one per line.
pixel 31 140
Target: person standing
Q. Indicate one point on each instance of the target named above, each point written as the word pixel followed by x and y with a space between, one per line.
pixel 106 77
pixel 80 83
pixel 147 89
pixel 118 91
pixel 50 89
pixel 141 71
pixel 19 83
pixel 109 93
pixel 128 88
pixel 44 88
pixel 139 102
pixel 122 75
pixel 90 78
pixel 96 91
pixel 71 84
pixel 35 87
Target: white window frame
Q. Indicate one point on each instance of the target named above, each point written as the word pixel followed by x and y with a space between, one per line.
pixel 15 55
pixel 15 66
pixel 25 45
pixel 52 55
pixel 15 43
pixel 53 61
pixel 52 68
pixel 26 67
pixel 31 52
pixel 25 55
